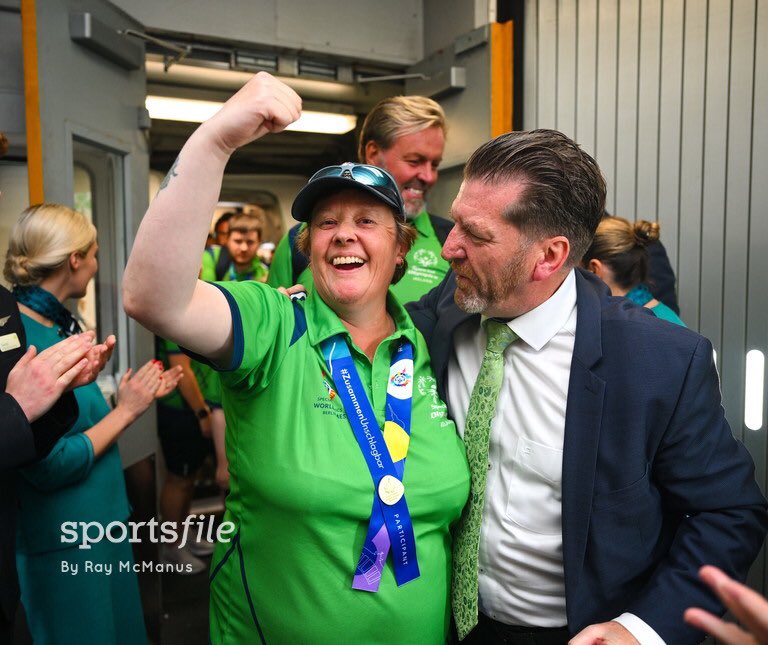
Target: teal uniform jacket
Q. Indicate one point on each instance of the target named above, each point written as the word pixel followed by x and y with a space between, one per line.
pixel 71 485
pixel 301 493
pixel 641 295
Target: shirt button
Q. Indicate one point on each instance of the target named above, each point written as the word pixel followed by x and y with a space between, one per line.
pixel 490 465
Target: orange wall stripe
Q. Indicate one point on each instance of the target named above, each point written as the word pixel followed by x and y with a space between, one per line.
pixel 501 78
pixel 32 101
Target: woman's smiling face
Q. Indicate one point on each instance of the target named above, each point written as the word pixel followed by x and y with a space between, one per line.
pixel 353 249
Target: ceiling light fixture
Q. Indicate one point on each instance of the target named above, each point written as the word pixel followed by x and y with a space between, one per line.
pixel 195 111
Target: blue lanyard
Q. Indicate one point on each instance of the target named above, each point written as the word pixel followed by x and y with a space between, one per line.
pixel 390 524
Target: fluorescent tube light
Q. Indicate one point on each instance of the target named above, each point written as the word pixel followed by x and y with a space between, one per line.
pixel 753 395
pixel 195 111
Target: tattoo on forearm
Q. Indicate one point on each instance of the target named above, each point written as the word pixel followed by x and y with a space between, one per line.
pixel 171 174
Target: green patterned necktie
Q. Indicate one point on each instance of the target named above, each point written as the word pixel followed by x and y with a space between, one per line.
pixel 477 430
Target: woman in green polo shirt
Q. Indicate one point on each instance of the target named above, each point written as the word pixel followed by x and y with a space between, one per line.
pixel 345 472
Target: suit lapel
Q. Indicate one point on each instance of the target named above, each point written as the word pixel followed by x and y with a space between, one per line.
pixel 582 431
pixel 441 338
pixel 442 344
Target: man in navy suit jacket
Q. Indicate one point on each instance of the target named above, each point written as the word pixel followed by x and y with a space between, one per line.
pixel 640 478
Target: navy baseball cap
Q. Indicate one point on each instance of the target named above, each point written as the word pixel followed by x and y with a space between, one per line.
pixel 332 179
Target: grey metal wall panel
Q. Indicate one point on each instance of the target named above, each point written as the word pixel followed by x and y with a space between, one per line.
pixel 648 114
pixel 737 202
pixel 607 67
pixel 757 302
pixel 670 114
pixel 566 69
pixel 547 65
pixel 626 107
pixel 389 32
pixel 691 154
pixel 531 76
pixel 12 82
pixel 715 151
pixel 446 20
pixel 586 75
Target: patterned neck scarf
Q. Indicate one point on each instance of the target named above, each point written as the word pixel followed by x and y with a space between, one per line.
pixel 45 303
pixel 640 295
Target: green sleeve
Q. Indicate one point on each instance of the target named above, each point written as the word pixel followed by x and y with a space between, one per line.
pixel 263 322
pixel 281 269
pixel 210 257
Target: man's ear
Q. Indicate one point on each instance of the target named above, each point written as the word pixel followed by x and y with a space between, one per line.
pixel 552 256
pixel 372 152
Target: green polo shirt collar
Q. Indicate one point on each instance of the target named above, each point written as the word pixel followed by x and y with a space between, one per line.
pixel 323 322
pixel 423 224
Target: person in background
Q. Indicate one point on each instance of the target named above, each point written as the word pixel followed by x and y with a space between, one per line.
pixel 661 277
pixel 184 428
pixel 266 252
pixel 618 256
pixel 50 259
pixel 405 135
pixel 221 228
pixel 311 562
pixel 238 259
pixel 748 606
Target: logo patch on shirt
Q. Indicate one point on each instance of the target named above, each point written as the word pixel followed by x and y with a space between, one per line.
pixel 401 378
pixel 400 381
pixel 324 405
pixel 425 258
pixel 427 387
pixel 331 392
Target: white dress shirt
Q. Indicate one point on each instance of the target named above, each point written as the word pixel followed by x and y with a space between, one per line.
pixel 521 577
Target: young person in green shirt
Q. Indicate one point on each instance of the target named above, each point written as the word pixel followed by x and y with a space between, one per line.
pixel 301 488
pixel 237 259
pixel 405 135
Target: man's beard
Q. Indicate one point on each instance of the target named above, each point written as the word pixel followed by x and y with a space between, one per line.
pixel 478 299
pixel 414 207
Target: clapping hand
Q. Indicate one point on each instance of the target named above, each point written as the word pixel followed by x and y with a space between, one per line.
pixel 97 357
pixel 169 379
pixel 38 380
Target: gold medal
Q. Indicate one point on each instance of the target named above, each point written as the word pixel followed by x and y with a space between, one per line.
pixel 391 490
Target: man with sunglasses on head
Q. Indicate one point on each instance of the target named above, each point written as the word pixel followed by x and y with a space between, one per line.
pixel 405 135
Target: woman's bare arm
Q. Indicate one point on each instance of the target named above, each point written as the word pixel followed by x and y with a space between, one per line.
pixel 160 285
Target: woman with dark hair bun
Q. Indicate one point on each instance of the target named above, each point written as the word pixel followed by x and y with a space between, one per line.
pixel 619 258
